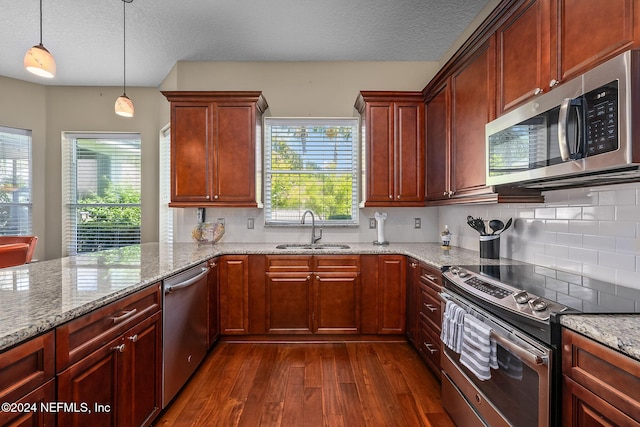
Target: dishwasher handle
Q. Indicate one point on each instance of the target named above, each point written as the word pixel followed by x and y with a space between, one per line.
pixel 186 283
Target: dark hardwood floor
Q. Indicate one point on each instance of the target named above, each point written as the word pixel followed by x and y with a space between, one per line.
pixel 310 384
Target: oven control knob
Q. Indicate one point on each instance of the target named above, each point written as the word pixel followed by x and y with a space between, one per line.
pixel 462 273
pixel 521 297
pixel 454 270
pixel 538 304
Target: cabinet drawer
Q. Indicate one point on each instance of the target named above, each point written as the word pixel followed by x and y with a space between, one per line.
pixel 333 263
pixel 430 346
pixel 83 335
pixel 430 306
pixel 42 395
pixel 608 374
pixel 431 275
pixel 26 367
pixel 288 263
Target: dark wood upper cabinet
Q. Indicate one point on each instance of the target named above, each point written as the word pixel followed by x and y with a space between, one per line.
pixel 524 72
pixel 393 124
pixel 213 147
pixel 438 173
pixel 542 43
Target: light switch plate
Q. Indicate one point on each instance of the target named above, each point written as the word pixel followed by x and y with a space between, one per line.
pixel 220 220
pixel 250 223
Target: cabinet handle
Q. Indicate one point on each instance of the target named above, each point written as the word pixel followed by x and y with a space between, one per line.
pixel 553 83
pixel 125 316
pixel 133 338
pixel 537 91
pixel 430 348
pixel 431 277
pixel 431 307
pixel 118 348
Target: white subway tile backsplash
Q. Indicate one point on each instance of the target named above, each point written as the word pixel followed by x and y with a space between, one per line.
pixel 594 231
pixel 617 228
pixel 617 260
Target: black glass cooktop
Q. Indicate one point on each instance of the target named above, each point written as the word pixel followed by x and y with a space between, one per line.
pixel 579 293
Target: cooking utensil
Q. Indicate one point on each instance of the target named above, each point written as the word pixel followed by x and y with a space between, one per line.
pixel 507 225
pixel 477 224
pixel 496 225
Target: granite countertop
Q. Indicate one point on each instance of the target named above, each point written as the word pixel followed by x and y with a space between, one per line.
pixel 40 296
pixel 619 332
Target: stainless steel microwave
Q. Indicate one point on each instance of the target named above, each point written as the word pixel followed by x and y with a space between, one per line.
pixel 579 133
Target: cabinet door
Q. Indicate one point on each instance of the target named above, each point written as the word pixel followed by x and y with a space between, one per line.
pixel 392 294
pixel 289 302
pixel 336 303
pixel 234 294
pixel 94 381
pixel 379 147
pixel 473 106
pixel 581 408
pixel 191 152
pixel 592 31
pixel 409 152
pixel 44 394
pixel 234 164
pixel 143 355
pixel 524 54
pixel 437 145
pixel 214 298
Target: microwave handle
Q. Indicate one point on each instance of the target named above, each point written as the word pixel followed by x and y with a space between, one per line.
pixel 563 116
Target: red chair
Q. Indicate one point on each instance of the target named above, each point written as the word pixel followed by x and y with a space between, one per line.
pixel 16 250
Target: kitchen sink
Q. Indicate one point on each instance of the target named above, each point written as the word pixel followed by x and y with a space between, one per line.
pixel 325 246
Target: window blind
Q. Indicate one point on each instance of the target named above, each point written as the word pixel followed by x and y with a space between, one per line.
pixel 102 191
pixel 311 163
pixel 518 148
pixel 15 182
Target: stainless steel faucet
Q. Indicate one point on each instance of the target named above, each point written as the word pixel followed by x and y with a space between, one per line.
pixel 314 238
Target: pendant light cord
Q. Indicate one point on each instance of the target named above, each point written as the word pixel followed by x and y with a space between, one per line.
pixel 124 47
pixel 40 22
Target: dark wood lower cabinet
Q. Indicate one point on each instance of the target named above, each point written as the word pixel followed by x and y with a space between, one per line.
pixel 117 385
pixel 289 303
pixel 43 395
pixel 336 303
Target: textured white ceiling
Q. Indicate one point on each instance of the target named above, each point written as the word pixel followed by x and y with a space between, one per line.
pixel 85 36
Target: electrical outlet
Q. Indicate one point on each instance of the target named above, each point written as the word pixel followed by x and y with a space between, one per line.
pixel 221 221
pixel 250 223
pixel 372 223
pixel 417 223
pixel 201 213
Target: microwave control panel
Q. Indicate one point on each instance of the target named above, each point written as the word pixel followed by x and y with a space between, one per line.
pixel 602 119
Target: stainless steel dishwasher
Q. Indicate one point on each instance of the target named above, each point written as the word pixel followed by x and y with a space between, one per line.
pixel 184 324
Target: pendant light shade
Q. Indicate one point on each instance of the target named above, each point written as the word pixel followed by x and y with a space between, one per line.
pixel 38 60
pixel 124 105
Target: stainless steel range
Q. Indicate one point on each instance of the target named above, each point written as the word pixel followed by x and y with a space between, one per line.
pixel 519 307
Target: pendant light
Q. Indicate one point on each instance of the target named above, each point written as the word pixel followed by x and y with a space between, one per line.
pixel 124 105
pixel 38 60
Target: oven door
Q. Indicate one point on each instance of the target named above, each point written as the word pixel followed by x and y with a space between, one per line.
pixel 518 392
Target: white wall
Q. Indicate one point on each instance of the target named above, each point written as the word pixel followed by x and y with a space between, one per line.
pixel 594 231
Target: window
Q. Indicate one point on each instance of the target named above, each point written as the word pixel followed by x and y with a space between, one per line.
pixel 102 191
pixel 311 164
pixel 15 181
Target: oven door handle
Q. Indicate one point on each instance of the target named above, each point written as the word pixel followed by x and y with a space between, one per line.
pixel 524 354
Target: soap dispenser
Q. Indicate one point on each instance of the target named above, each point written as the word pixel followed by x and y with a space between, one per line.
pixel 445 239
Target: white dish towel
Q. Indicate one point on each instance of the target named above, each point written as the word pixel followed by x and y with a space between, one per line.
pixel 452 326
pixel 478 348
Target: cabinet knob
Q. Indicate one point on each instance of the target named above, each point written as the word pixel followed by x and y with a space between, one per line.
pixel 118 348
pixel 317 277
pixel 133 338
pixel 398 196
pixel 413 265
pixel 207 197
pixel 215 197
pixel 308 277
pixel 445 193
pixel 537 91
pixel 390 196
pixel 553 83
